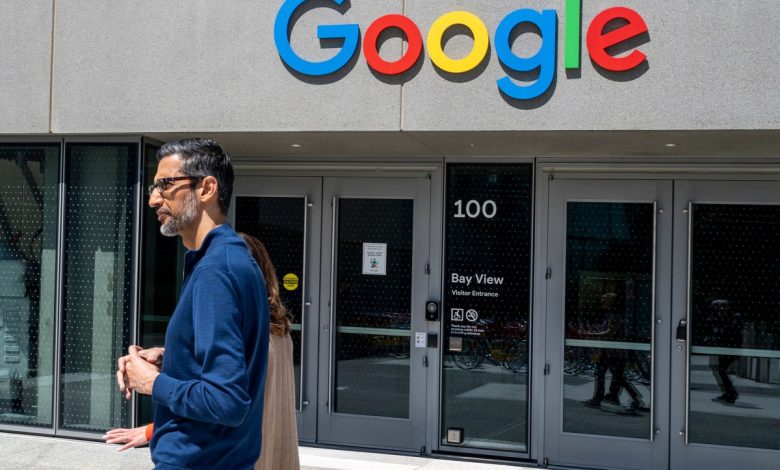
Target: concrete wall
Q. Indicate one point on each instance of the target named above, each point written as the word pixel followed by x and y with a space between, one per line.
pixel 25 65
pixel 147 66
pixel 204 65
pixel 710 66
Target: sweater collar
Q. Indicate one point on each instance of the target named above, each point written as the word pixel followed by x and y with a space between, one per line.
pixel 215 237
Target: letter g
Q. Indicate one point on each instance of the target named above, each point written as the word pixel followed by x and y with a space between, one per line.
pixel 349 32
pixel 544 59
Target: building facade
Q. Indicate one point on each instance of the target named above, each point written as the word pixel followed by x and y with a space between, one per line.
pixel 544 231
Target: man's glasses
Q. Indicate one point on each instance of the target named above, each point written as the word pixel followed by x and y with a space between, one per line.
pixel 163 184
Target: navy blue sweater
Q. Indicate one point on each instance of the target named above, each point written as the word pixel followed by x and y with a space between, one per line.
pixel 209 395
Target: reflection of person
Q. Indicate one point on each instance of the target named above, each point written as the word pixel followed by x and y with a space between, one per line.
pixel 613 360
pixel 280 436
pixel 209 390
pixel 725 329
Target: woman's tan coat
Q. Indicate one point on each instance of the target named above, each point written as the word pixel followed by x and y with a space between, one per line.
pixel 280 436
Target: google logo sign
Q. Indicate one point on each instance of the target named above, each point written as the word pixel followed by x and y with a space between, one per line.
pixel 624 24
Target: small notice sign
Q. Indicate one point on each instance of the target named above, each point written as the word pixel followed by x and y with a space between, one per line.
pixel 290 281
pixel 375 259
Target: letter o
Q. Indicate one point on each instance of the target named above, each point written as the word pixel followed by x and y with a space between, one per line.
pixel 478 51
pixel 413 38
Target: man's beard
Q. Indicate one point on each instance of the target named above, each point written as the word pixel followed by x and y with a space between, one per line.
pixel 178 222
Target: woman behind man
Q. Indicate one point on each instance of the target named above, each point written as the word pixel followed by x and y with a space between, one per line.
pixel 280 436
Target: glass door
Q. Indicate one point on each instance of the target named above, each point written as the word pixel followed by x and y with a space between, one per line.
pixel 374 287
pixel 284 213
pixel 726 344
pixel 608 244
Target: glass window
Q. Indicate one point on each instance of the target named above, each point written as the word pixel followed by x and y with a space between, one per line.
pixel 735 325
pixel 609 308
pixel 486 306
pixel 28 244
pixel 161 276
pixel 98 282
pixel 280 222
pixel 373 292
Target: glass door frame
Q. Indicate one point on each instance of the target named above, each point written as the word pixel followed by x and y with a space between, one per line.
pixel 430 169
pixel 694 172
pixel 561 448
pixel 337 428
pixel 309 188
pixel 685 454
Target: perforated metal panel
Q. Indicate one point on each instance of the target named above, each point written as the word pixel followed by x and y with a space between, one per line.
pixel 98 283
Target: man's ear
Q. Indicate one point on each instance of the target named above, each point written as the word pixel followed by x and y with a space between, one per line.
pixel 209 189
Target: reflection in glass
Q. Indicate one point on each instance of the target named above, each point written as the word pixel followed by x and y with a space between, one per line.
pixel 609 283
pixel 98 283
pixel 735 325
pixel 485 344
pixel 373 311
pixel 28 243
pixel 279 223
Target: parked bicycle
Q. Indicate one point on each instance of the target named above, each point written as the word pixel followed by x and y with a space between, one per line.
pixel 500 344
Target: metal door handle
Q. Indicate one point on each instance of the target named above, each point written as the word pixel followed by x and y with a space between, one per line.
pixel 682 331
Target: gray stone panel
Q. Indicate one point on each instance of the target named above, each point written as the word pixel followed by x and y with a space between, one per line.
pixel 25 60
pixel 198 65
pixel 711 65
pixel 202 66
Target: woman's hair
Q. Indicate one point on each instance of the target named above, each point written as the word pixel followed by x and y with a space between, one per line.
pixel 280 322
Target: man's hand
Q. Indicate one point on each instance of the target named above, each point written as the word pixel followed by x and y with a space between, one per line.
pixel 152 355
pixel 129 437
pixel 120 376
pixel 139 373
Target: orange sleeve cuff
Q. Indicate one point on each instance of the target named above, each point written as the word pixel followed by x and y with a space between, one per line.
pixel 149 431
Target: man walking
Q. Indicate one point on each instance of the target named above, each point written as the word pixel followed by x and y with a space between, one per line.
pixel 209 390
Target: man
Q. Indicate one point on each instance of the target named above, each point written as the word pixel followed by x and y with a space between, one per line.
pixel 209 390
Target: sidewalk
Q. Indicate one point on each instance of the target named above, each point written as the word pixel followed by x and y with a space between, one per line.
pixel 22 452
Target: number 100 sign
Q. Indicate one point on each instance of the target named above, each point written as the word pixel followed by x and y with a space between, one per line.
pixel 475 209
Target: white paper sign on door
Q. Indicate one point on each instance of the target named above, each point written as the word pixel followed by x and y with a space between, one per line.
pixel 420 339
pixel 375 259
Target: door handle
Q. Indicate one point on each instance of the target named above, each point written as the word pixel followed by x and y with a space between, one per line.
pixel 682 331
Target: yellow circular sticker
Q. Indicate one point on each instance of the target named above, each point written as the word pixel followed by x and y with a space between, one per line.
pixel 290 281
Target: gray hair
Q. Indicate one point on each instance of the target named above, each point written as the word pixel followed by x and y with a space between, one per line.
pixel 203 157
